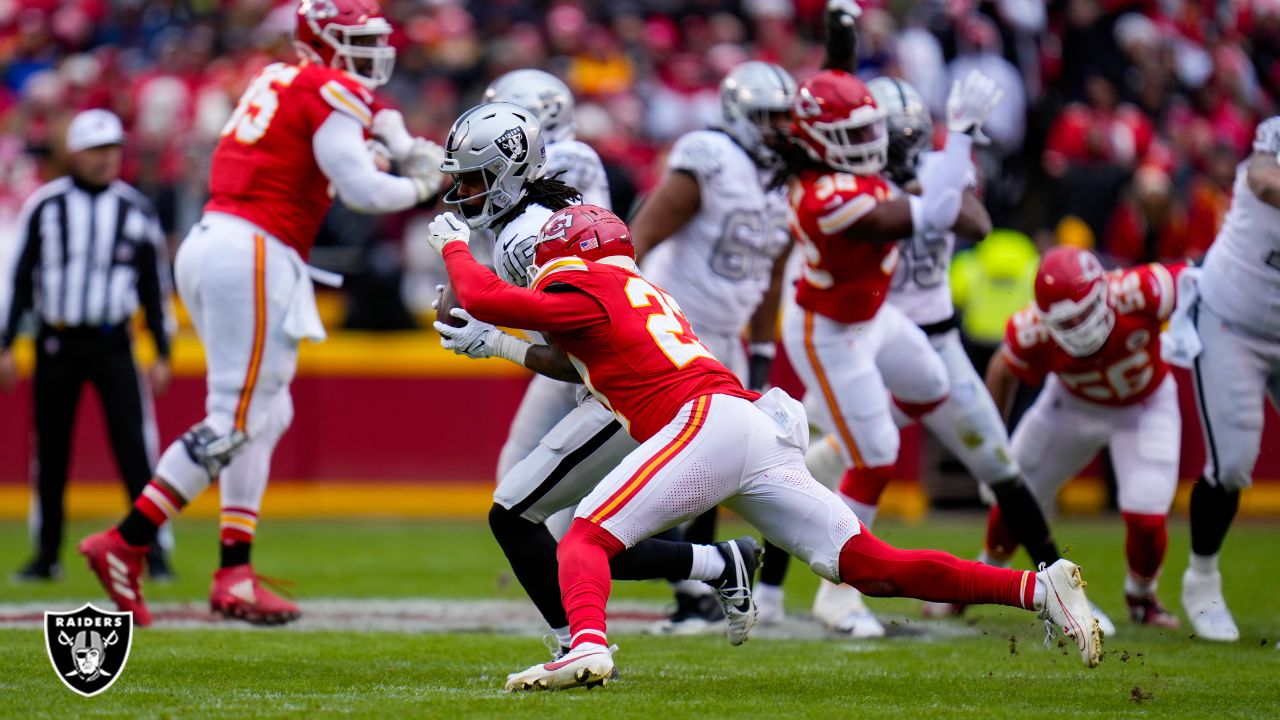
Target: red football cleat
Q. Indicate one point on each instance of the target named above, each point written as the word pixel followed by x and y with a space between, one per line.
pixel 237 592
pixel 118 566
pixel 1148 610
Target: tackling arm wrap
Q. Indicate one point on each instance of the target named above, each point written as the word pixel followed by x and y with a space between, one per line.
pixel 488 298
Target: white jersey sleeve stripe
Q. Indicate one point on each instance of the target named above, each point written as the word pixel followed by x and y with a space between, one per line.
pixel 343 100
pixel 1167 293
pixel 847 214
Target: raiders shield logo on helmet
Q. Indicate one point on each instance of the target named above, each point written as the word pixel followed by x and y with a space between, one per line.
pixel 88 647
pixel 513 144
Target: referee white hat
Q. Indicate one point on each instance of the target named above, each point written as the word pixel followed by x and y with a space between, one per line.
pixel 94 128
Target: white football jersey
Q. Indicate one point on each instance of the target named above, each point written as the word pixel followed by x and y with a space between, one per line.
pixel 1241 276
pixel 513 247
pixel 718 265
pixel 921 286
pixel 577 165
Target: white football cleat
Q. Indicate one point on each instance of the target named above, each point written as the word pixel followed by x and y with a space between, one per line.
pixel 770 609
pixel 588 665
pixel 1066 608
pixel 840 608
pixel 1206 608
pixel 1107 627
pixel 733 590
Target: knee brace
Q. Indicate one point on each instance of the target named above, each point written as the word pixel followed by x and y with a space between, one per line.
pixel 209 450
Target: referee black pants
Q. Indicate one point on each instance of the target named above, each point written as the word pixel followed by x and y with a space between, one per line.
pixel 65 360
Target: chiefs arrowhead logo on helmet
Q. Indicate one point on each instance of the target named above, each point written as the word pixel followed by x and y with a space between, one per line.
pixel 836 120
pixel 583 231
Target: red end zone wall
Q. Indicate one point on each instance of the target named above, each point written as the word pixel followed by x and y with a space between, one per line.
pixel 418 426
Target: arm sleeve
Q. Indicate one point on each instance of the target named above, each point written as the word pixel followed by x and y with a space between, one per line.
pixel 341 154
pixel 23 273
pixel 155 288
pixel 490 299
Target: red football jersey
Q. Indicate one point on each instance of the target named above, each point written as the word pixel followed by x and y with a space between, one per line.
pixel 845 279
pixel 641 358
pixel 263 169
pixel 1127 368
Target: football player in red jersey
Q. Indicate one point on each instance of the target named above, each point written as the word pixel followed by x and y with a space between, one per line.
pixel 1093 340
pixel 299 131
pixel 704 441
pixel 844 341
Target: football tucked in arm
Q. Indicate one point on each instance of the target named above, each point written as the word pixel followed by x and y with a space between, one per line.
pixel 448 301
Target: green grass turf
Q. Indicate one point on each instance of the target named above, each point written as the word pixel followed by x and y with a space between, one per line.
pixel 1002 673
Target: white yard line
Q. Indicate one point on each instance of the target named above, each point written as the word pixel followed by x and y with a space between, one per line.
pixel 436 615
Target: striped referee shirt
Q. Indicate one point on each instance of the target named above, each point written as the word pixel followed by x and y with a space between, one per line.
pixel 87 258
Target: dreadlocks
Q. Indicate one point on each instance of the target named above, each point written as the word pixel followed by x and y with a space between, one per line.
pixel 551 193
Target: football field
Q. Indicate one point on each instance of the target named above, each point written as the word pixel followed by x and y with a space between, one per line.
pixel 423 619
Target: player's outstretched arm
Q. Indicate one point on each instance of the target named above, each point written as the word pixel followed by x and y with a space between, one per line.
pixel 1001 382
pixel 675 202
pixel 340 151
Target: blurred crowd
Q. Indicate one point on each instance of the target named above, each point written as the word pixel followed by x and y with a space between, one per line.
pixel 1121 125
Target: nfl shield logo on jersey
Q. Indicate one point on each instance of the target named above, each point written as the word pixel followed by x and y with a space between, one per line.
pixel 88 647
pixel 513 144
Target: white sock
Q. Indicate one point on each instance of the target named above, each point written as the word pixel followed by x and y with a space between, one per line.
pixel 692 587
pixel 865 513
pixel 1041 592
pixel 1204 564
pixel 708 563
pixel 766 594
pixel 1138 587
pixel 563 636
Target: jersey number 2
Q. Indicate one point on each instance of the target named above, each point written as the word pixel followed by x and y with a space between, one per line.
pixel 259 103
pixel 667 324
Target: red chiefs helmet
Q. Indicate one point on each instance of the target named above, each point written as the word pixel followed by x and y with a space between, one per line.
pixel 583 231
pixel 1073 300
pixel 836 119
pixel 350 35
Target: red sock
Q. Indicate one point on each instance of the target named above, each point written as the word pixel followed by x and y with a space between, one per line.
pixel 865 485
pixel 157 503
pixel 1000 543
pixel 584 555
pixel 880 570
pixel 1145 542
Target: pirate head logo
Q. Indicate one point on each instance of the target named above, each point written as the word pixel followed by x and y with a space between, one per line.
pixel 513 144
pixel 88 647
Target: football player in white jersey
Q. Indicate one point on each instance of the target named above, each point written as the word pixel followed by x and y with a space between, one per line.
pixel 714 234
pixel 577 165
pixel 1230 337
pixel 496 155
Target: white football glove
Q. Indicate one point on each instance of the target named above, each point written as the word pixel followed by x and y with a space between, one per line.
pixel 970 102
pixel 478 339
pixel 446 229
pixel 388 126
pixel 849 11
pixel 422 165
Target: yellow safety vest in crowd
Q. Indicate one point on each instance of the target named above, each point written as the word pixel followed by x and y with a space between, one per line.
pixel 992 281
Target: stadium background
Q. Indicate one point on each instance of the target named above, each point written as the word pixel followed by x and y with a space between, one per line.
pixel 1120 130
